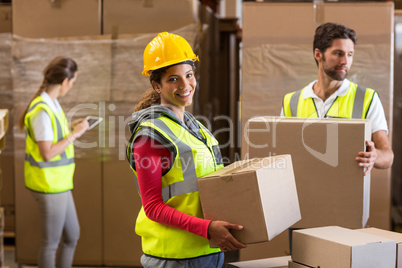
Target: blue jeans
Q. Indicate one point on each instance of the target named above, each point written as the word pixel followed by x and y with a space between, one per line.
pixel 214 260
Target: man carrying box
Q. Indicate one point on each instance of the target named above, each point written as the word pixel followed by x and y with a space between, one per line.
pixel 334 96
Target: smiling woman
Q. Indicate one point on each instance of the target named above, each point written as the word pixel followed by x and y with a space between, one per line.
pixel 181 149
pixel 177 88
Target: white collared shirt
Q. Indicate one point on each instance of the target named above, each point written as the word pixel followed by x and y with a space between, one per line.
pixel 41 123
pixel 375 114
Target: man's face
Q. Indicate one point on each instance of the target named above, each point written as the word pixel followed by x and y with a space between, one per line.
pixel 337 59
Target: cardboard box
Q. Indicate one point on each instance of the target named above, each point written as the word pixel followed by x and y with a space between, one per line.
pixel 259 194
pixel 147 16
pixel 334 247
pixel 121 203
pixel 332 189
pixel 279 262
pixel 36 19
pixel 87 195
pixel 5 18
pixel 389 235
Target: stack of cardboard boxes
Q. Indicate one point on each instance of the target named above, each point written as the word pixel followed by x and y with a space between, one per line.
pixel 335 246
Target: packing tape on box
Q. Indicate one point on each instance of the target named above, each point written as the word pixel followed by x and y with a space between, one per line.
pixel 226 176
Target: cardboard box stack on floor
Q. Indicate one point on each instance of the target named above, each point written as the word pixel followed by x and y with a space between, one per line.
pixel 259 194
pixel 334 247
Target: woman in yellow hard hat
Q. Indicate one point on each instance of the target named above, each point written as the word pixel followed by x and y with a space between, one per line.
pixel 168 150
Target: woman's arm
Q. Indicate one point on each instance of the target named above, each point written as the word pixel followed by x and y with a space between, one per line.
pixel 150 162
pixel 48 150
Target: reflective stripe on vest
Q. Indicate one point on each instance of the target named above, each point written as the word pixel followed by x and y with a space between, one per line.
pixel 294 102
pixel 358 109
pixel 189 173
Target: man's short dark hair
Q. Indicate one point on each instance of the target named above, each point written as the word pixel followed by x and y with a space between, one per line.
pixel 327 32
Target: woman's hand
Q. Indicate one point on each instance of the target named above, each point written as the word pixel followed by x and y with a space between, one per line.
pixel 219 232
pixel 79 127
pixel 75 122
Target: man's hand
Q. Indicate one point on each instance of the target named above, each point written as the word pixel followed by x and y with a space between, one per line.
pixel 367 159
pixel 379 153
pixel 219 232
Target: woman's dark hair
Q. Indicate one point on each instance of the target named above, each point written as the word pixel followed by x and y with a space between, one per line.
pixel 151 97
pixel 55 72
pixel 327 32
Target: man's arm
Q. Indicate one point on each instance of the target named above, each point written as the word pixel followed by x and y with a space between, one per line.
pixel 379 153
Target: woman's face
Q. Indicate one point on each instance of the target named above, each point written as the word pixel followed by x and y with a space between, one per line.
pixel 67 85
pixel 177 86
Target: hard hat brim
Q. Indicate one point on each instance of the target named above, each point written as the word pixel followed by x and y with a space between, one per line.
pixel 145 72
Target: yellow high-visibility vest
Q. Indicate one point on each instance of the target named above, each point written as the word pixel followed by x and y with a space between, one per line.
pixel 355 104
pixel 193 158
pixel 55 175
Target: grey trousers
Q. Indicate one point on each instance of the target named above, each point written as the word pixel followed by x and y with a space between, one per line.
pixel 58 219
pixel 214 260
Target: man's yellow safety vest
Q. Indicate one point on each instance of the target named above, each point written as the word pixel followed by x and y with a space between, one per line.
pixel 355 104
pixel 55 175
pixel 193 158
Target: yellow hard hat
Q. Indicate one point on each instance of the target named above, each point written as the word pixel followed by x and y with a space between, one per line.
pixel 166 49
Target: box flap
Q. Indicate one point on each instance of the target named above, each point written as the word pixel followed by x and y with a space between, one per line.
pixel 278 193
pixel 374 254
pixel 244 166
